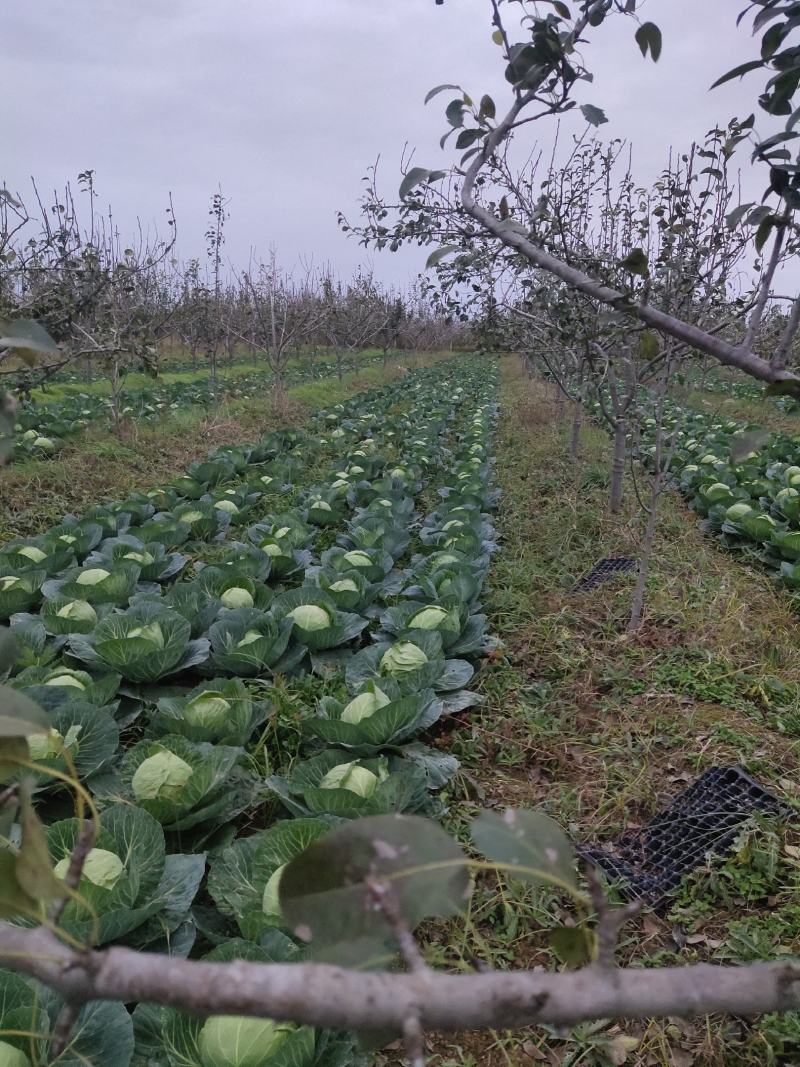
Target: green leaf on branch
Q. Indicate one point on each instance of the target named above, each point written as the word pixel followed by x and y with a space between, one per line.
pixel 8 649
pixel 636 262
pixel 765 228
pixel 13 898
pixel 34 866
pixel 738 72
pixel 648 38
pixel 733 218
pixel 468 137
pixel 742 444
pixel 332 892
pixel 6 434
pixel 26 335
pixel 413 178
pixel 786 387
pixel 455 113
pixel 19 715
pixel 649 346
pixel 595 116
pixel 574 945
pixel 487 108
pixel 440 89
pixel 531 846
pixel 436 257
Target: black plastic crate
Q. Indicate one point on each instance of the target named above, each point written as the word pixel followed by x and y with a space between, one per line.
pixel 650 862
pixel 603 570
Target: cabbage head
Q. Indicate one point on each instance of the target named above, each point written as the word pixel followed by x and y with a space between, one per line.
pixel 240 1041
pixel 102 868
pixel 270 901
pixel 12 1057
pixel 401 657
pixel 161 777
pixel 143 644
pixel 352 776
pixel 364 705
pixel 220 710
pixel 310 617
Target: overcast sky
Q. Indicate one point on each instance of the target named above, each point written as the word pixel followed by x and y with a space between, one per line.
pixel 285 103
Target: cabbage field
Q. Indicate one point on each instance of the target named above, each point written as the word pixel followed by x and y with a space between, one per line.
pixel 43 426
pixel 231 664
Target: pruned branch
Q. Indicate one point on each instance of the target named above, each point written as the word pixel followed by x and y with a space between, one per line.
pixel 325 996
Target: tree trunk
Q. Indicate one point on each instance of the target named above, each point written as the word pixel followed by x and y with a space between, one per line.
pixel 645 556
pixel 116 389
pixel 577 423
pixel 618 467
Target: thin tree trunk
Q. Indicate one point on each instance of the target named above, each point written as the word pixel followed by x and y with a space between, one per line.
pixel 116 388
pixel 577 423
pixel 618 467
pixel 645 556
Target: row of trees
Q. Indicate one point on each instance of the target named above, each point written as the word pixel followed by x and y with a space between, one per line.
pixel 112 306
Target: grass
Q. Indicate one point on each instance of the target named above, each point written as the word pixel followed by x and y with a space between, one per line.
pixel 600 730
pixel 96 465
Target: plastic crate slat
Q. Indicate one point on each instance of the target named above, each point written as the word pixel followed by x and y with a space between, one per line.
pixel 705 818
pixel 603 570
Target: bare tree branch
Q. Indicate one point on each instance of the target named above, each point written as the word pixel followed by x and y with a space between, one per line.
pixel 325 996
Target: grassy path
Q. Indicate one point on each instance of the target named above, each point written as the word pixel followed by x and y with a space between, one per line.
pixel 600 731
pixel 36 493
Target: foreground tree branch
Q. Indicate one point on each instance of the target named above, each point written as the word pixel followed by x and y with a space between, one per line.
pixel 325 996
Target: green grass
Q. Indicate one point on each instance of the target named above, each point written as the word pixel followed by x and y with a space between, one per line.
pixel 600 730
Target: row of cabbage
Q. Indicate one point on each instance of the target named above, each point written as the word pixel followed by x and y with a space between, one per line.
pixel 743 389
pixel 43 428
pixel 745 484
pixel 158 685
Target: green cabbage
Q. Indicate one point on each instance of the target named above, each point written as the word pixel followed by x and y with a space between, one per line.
pixel 236 597
pixel 151 632
pixel 12 1057
pixel 226 505
pixel 428 618
pixel 93 576
pixel 402 657
pixel 101 867
pixel 270 903
pixel 738 511
pixel 143 558
pixel 31 552
pixel 239 1041
pixel 346 585
pixel 249 638
pixel 45 746
pixel 358 559
pixel 207 710
pixel 364 705
pixel 161 777
pixel 352 776
pixel 310 617
pixel 66 679
pixel 78 610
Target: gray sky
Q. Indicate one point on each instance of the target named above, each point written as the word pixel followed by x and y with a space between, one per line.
pixel 286 102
